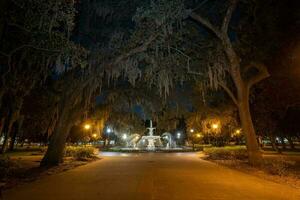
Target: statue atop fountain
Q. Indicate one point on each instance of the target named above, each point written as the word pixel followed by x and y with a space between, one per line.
pixel 151 138
pixel 151 129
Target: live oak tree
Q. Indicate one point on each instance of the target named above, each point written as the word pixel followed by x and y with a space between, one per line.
pixel 75 94
pixel 34 42
pixel 78 86
pixel 236 69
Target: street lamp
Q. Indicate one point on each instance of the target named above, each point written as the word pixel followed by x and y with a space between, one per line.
pixel 178 135
pixel 108 130
pixel 87 126
pixel 215 126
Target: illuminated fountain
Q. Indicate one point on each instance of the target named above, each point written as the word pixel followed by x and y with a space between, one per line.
pixel 132 140
pixel 170 142
pixel 151 141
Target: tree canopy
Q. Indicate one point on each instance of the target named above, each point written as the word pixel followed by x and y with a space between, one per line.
pixel 63 62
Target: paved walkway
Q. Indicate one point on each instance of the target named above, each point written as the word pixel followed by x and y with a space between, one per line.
pixel 152 176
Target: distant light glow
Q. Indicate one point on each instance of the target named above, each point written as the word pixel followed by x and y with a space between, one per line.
pixel 178 135
pixel 192 130
pixel 215 126
pixel 198 135
pixel 108 130
pixel 94 135
pixel 124 136
pixel 87 126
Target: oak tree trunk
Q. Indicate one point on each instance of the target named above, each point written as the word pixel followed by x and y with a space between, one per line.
pixel 248 128
pixel 16 130
pixel 242 101
pixel 55 151
pixel 7 129
pixel 273 142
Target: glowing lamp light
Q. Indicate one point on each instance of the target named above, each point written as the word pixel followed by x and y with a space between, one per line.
pixel 124 136
pixel 192 130
pixel 238 131
pixel 108 130
pixel 215 126
pixel 198 135
pixel 94 135
pixel 178 135
pixel 87 126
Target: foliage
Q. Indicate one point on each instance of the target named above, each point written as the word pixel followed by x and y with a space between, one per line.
pixel 224 153
pixel 153 60
pixel 7 166
pixel 214 123
pixel 279 166
pixel 80 153
pixel 151 45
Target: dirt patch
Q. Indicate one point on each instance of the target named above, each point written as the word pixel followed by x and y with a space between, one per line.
pixel 28 169
pixel 290 177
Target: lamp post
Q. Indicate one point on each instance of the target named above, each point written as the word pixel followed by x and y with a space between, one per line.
pixel 124 137
pixel 87 127
pixel 108 131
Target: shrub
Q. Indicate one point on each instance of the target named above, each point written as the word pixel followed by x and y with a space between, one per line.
pixel 7 166
pixel 278 166
pixel 80 153
pixel 226 153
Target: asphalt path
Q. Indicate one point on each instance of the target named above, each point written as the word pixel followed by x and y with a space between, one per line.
pixel 151 176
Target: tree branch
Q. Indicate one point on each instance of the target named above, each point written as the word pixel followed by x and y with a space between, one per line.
pixel 228 15
pixel 19 27
pixel 136 50
pixel 33 47
pixel 200 5
pixel 206 23
pixel 219 33
pixel 229 92
pixel 194 72
pixel 4 54
pixel 262 74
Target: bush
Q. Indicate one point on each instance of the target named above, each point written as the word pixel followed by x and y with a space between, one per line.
pixel 278 166
pixel 80 153
pixel 226 153
pixel 7 167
